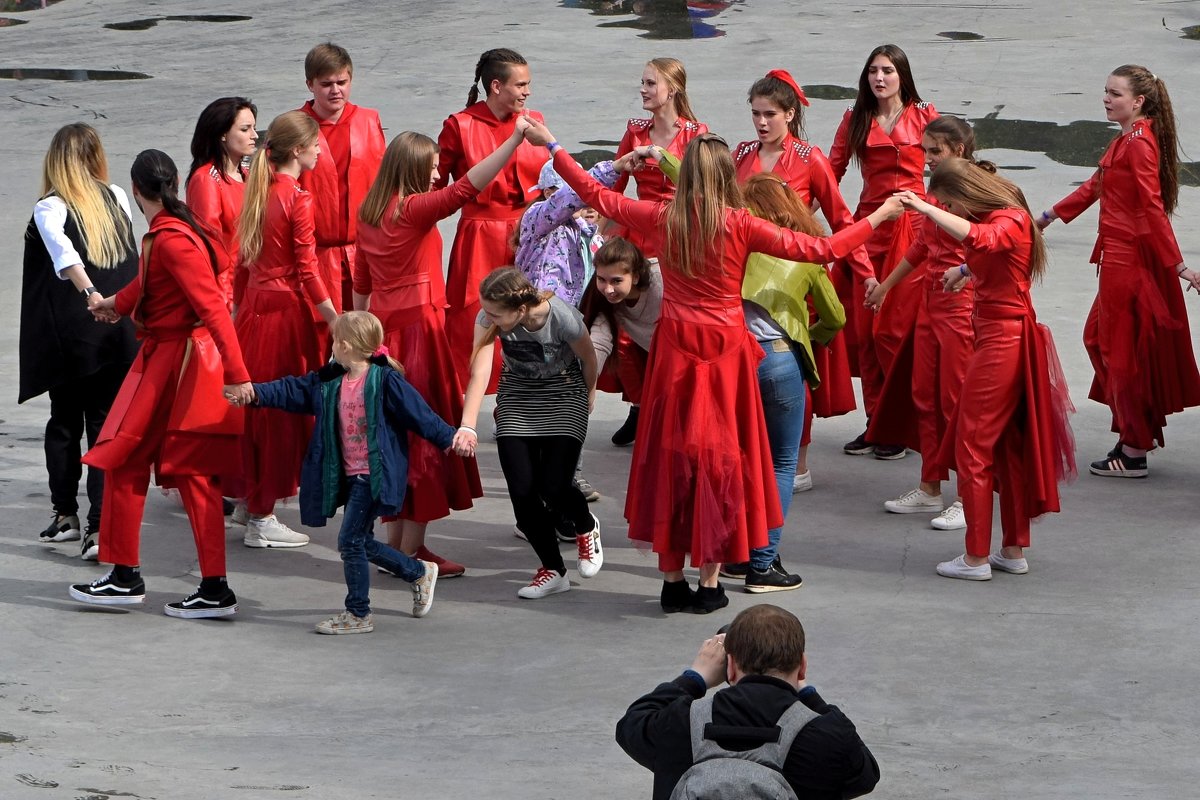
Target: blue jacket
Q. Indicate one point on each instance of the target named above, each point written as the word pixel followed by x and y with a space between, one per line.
pixel 394 408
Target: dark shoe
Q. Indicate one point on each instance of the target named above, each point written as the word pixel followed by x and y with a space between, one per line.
pixel 890 452
pixel 1120 466
pixel 626 433
pixel 772 579
pixel 197 605
pixel 676 596
pixel 63 528
pixel 709 599
pixel 563 529
pixel 859 447
pixel 586 489
pixel 110 591
pixel 736 571
pixel 90 546
pixel 227 506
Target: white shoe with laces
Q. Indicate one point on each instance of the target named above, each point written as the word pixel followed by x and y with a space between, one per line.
pixel 952 519
pixel 802 482
pixel 591 553
pixel 959 568
pixel 914 502
pixel 545 583
pixel 1013 566
pixel 270 532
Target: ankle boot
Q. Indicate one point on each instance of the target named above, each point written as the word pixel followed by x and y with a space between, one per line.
pixel 709 599
pixel 676 596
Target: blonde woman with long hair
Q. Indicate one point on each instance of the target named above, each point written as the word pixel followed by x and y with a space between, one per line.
pixel 276 284
pixel 79 248
pixel 702 480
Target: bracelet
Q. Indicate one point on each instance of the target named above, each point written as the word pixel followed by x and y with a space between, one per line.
pixel 1046 218
pixel 962 270
pixel 551 145
pixel 1182 269
pixel 469 428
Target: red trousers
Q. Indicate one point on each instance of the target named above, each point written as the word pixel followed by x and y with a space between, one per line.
pixel 625 370
pixel 989 439
pixel 125 500
pixel 880 335
pixel 943 344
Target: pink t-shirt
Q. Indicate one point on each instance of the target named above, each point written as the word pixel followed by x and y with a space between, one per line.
pixel 352 414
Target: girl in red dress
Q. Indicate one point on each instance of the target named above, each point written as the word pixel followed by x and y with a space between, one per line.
pixel 882 132
pixel 277 281
pixel 169 413
pixel 216 183
pixel 1137 332
pixel 776 107
pixel 1009 430
pixel 398 273
pixel 489 220
pixel 702 480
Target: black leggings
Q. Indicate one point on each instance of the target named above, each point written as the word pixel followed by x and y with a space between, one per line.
pixel 539 472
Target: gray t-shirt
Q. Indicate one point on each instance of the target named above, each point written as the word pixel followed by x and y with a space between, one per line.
pixel 546 351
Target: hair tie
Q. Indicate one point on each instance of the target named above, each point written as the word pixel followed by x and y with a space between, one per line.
pixel 381 351
pixel 786 77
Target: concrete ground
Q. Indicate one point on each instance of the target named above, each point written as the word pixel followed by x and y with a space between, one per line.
pixel 1072 681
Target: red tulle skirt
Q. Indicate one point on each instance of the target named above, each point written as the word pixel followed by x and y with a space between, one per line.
pixel 702 480
pixel 437 482
pixel 480 245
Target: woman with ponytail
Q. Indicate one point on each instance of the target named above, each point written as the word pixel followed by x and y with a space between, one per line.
pixel 1137 333
pixel 489 220
pixel 78 248
pixel 170 413
pixel 276 284
pixel 882 132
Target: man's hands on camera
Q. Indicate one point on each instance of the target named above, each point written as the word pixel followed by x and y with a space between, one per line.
pixel 710 661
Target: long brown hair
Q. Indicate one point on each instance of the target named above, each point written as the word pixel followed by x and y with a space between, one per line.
pixel 783 96
pixel 695 218
pixel 406 167
pixel 288 131
pixel 952 132
pixel 771 199
pixel 1157 107
pixel 508 288
pixel 672 72
pixel 979 191
pixel 615 251
pixel 866 105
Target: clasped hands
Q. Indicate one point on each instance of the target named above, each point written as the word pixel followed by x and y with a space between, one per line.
pixel 538 134
pixel 103 308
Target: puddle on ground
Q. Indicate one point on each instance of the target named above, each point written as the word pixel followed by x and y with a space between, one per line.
pixel 590 158
pixel 660 19
pixel 150 22
pixel 601 142
pixel 961 36
pixel 1191 32
pixel 8 22
pixel 10 738
pixel 49 74
pixel 828 91
pixel 25 5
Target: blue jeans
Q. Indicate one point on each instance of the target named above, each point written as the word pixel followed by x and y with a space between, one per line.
pixel 781 383
pixel 356 543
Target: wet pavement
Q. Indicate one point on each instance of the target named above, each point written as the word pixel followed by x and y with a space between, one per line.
pixel 1071 681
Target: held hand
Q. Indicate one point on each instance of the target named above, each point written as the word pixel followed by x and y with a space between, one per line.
pixel 240 394
pixel 710 661
pixel 892 208
pixel 96 300
pixel 464 442
pixel 954 280
pixel 912 201
pixel 522 125
pixel 630 162
pixel 537 133
pixel 1192 277
pixel 1044 220
pixel 875 295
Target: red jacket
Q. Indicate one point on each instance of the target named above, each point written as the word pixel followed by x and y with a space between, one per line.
pixel 473 134
pixel 889 162
pixel 288 260
pixel 338 201
pixel 651 183
pixel 216 202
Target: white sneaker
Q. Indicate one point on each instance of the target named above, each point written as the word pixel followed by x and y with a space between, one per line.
pixel 422 589
pixel 1015 566
pixel 952 519
pixel 240 515
pixel 591 553
pixel 270 532
pixel 959 568
pixel 802 482
pixel 545 583
pixel 914 502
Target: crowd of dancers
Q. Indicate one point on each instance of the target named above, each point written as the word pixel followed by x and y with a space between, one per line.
pixel 298 333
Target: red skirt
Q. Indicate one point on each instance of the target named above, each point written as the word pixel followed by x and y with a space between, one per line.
pixel 480 245
pixel 437 482
pixel 702 480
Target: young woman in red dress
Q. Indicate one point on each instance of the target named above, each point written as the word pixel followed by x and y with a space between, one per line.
pixel 776 107
pixel 1009 431
pixel 170 413
pixel 882 132
pixel 277 282
pixel 1137 333
pixel 486 228
pixel 216 183
pixel 398 274
pixel 702 480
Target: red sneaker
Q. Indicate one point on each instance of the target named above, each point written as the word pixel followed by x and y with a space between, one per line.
pixel 446 567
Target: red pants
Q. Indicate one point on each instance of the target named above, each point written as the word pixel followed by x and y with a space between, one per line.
pixel 989 439
pixel 625 370
pixel 880 335
pixel 125 500
pixel 943 344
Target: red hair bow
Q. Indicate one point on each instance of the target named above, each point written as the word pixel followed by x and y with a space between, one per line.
pixel 382 351
pixel 786 77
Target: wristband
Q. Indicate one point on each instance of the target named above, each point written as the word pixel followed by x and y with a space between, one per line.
pixel 962 270
pixel 469 428
pixel 89 291
pixel 1046 218
pixel 551 145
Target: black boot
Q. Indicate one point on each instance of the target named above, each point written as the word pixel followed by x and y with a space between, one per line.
pixel 676 596
pixel 709 599
pixel 628 431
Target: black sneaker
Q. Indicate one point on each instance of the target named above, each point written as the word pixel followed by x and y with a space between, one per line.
pixel 890 452
pixel 709 599
pixel 737 571
pixel 626 433
pixel 859 447
pixel 198 606
pixel 1120 466
pixel 227 506
pixel 109 591
pixel 676 596
pixel 89 549
pixel 563 530
pixel 772 579
pixel 63 528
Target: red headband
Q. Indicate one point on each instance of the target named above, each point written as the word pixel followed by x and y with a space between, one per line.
pixel 785 76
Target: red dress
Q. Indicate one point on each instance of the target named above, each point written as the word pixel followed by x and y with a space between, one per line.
pixel 1137 333
pixel 399 264
pixel 278 338
pixel 1010 430
pixel 351 152
pixel 806 171
pixel 702 480
pixel 216 202
pixel 889 163
pixel 488 222
pixel 170 412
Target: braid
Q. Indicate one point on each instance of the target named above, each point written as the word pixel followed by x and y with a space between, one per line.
pixel 473 93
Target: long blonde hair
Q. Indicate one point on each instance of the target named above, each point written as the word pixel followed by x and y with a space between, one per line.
pixel 76 171
pixel 979 191
pixel 406 167
pixel 289 131
pixel 508 288
pixel 672 72
pixel 363 331
pixel 695 218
